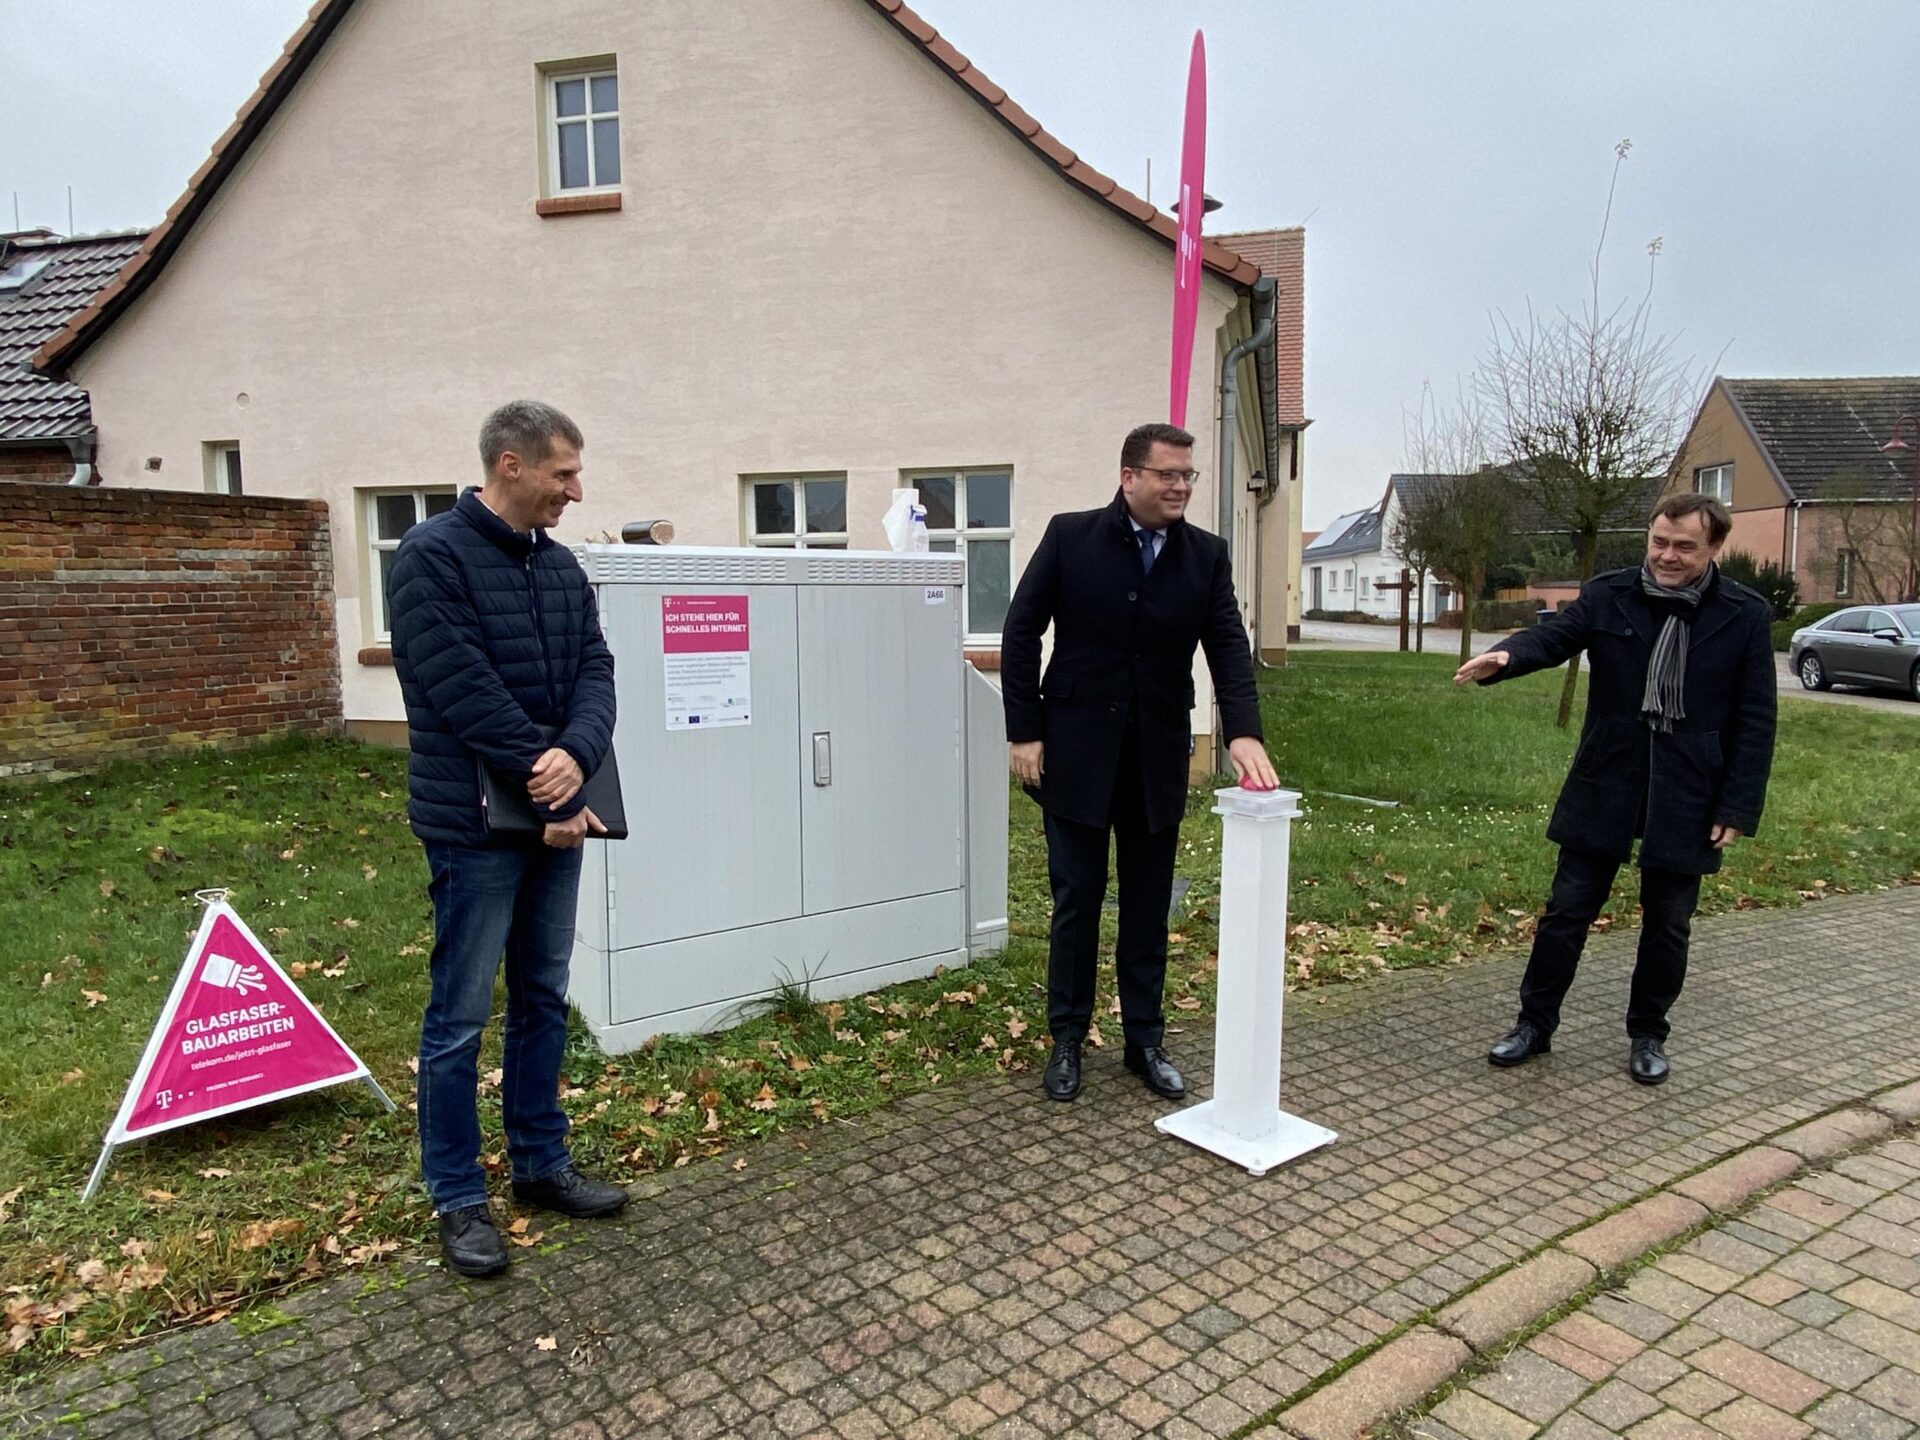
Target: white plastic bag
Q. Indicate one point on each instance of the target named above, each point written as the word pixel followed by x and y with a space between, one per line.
pixel 906 523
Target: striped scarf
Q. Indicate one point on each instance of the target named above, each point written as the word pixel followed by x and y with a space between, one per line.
pixel 1667 670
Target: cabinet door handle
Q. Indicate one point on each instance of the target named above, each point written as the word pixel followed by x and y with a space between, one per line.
pixel 823 758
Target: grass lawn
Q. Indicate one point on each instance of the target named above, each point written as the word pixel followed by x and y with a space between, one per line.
pixel 96 882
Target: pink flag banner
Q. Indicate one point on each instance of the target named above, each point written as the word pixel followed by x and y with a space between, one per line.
pixel 1186 254
pixel 235 1032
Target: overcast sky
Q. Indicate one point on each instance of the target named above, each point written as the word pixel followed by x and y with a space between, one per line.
pixel 1448 160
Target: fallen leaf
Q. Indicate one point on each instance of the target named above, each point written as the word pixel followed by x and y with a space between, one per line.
pixel 1016 1027
pixel 529 1240
pixel 1185 1002
pixel 6 1203
pixel 73 1075
pixel 90 1272
pixel 1094 1037
pixel 215 1172
pixel 93 998
pixel 763 1099
pixel 369 871
pixel 107 887
pixel 144 1276
pixel 135 1249
pixel 264 1232
pixel 546 1342
pixel 741 1163
pixel 800 1063
pixel 159 1197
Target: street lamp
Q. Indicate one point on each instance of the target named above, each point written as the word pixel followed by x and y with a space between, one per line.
pixel 1897 446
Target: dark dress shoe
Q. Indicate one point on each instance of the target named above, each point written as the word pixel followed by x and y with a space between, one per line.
pixel 1062 1080
pixel 571 1193
pixel 1648 1062
pixel 1519 1045
pixel 1151 1064
pixel 470 1243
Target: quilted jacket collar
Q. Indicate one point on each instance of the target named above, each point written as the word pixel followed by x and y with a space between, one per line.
pixel 475 512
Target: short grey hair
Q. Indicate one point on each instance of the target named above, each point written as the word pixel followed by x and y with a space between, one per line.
pixel 527 428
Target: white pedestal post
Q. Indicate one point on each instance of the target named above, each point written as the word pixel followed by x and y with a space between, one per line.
pixel 1243 1122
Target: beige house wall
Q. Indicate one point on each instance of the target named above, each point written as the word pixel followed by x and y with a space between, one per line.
pixel 828 259
pixel 1720 437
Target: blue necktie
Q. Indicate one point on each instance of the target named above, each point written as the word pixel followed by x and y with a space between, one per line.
pixel 1147 538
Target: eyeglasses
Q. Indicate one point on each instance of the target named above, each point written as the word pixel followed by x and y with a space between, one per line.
pixel 1171 477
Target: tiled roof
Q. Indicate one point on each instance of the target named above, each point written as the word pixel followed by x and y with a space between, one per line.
pixel 1529 519
pixel 36 407
pixel 325 16
pixel 1283 255
pixel 1823 437
pixel 1357 533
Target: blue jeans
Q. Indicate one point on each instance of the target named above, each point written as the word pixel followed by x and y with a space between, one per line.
pixel 520 901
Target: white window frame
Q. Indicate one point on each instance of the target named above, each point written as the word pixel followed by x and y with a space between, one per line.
pixel 373 545
pixel 960 534
pixel 798 538
pixel 552 78
pixel 1716 481
pixel 220 461
pixel 1843 575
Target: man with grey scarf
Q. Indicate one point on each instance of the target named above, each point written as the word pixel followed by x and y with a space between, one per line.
pixel 1675 753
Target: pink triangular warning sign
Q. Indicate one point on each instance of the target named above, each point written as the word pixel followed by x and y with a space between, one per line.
pixel 236 1032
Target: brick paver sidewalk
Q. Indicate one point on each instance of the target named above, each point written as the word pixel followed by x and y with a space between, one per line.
pixel 979 1260
pixel 1800 1318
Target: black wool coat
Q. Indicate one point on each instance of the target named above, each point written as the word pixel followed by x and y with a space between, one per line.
pixel 1629 780
pixel 1123 643
pixel 495 634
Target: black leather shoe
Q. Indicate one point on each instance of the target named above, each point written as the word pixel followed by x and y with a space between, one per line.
pixel 571 1193
pixel 1062 1080
pixel 1151 1064
pixel 1648 1062
pixel 470 1243
pixel 1519 1045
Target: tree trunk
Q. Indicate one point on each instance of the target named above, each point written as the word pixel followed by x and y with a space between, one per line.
pixel 1469 594
pixel 1420 629
pixel 1589 547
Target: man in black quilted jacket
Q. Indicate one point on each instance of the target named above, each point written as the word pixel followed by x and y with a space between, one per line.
pixel 497 642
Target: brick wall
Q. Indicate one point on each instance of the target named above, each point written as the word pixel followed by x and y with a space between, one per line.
pixel 133 621
pixel 38 464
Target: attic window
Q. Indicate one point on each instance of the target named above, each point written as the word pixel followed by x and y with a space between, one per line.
pixel 21 273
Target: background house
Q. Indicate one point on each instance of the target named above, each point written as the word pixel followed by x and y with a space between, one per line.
pixel 777 257
pixel 1800 462
pixel 46 425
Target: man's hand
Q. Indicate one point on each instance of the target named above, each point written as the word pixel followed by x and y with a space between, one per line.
pixel 1481 666
pixel 556 778
pixel 1024 758
pixel 1251 767
pixel 571 834
pixel 1724 835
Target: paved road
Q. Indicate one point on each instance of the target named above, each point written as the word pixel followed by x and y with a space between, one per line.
pixel 1335 635
pixel 977 1260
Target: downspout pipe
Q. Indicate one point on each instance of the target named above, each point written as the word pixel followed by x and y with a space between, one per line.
pixel 81 448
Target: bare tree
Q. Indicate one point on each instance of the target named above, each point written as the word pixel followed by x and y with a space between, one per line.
pixel 1589 407
pixel 1464 505
pixel 1880 534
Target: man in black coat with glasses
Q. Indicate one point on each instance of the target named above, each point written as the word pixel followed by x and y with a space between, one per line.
pixel 1102 741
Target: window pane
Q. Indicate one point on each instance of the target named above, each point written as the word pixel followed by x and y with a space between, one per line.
pixel 826 505
pixel 573 156
pixel 936 493
pixel 231 459
pixel 570 97
pixel 773 509
pixel 989 502
pixel 989 585
pixel 606 94
pixel 606 152
pixel 945 547
pixel 393 515
pixel 438 504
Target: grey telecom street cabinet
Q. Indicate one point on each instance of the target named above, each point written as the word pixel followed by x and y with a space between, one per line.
pixel 815 782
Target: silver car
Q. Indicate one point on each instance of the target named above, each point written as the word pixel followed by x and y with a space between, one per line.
pixel 1877 645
